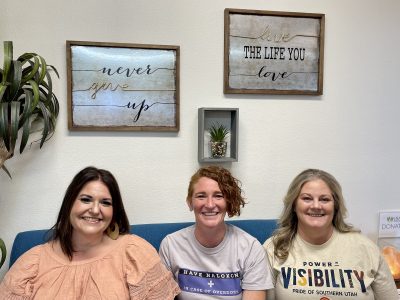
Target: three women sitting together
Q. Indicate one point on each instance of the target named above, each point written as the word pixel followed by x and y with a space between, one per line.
pixel 314 253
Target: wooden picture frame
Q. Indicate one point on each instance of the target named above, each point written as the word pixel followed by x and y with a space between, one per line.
pixel 124 87
pixel 269 52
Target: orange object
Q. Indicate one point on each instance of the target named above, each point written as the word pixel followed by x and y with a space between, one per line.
pixel 392 257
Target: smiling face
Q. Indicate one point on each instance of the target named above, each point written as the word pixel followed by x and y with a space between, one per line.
pixel 92 211
pixel 315 208
pixel 208 204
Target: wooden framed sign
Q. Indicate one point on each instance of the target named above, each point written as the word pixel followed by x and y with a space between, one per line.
pixel 130 87
pixel 268 52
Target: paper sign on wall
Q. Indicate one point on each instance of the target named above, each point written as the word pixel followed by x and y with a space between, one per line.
pixel 389 224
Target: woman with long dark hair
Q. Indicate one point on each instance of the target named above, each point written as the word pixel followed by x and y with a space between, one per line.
pixel 91 254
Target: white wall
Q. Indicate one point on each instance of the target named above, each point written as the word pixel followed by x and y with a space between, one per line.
pixel 350 131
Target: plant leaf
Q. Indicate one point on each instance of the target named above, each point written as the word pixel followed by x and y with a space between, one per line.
pixel 3 88
pixel 46 125
pixel 48 86
pixel 36 93
pixel 4 124
pixel 34 70
pixel 43 69
pixel 9 175
pixel 54 69
pixel 26 102
pixel 8 55
pixel 25 135
pixel 56 106
pixel 25 120
pixel 52 102
pixel 14 120
pixel 16 80
pixel 3 252
pixel 218 132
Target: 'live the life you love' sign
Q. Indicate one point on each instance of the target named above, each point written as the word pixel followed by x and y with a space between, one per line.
pixel 273 52
pixel 123 86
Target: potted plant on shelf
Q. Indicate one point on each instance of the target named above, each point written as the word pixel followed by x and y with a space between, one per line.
pixel 27 102
pixel 28 106
pixel 218 134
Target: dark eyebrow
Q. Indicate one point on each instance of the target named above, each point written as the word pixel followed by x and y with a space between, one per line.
pixel 85 195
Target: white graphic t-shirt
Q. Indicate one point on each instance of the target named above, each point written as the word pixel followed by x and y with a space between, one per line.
pixel 348 266
pixel 238 263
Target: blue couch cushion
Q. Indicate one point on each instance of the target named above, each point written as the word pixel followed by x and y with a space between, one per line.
pixel 153 233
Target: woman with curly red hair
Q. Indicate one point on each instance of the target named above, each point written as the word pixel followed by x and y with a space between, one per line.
pixel 213 259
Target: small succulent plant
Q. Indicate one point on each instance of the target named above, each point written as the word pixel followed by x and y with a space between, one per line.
pixel 218 132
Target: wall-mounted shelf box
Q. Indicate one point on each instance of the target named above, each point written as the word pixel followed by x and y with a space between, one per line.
pixel 228 117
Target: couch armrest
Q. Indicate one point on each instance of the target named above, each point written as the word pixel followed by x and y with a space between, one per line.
pixel 26 240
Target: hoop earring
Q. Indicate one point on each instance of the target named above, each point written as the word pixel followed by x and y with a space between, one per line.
pixel 113 231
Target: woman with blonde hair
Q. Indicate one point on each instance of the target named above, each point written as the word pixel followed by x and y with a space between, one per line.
pixel 315 254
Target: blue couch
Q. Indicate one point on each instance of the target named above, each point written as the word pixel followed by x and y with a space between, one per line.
pixel 153 233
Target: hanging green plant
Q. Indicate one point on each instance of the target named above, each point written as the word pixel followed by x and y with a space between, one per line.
pixel 27 102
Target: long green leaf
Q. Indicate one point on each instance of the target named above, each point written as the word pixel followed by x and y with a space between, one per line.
pixel 54 69
pixel 27 107
pixel 48 98
pixel 43 68
pixel 46 125
pixel 14 120
pixel 27 56
pixel 25 135
pixel 34 70
pixel 56 106
pixel 3 88
pixel 52 101
pixel 16 81
pixel 3 252
pixel 51 97
pixel 4 124
pixel 8 56
pixel 26 59
pixel 26 69
pixel 36 93
pixel 49 86
pixel 8 173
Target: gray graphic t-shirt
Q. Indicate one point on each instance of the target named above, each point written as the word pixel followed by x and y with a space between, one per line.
pixel 237 263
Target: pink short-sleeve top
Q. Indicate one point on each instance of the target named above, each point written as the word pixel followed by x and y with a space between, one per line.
pixel 131 270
